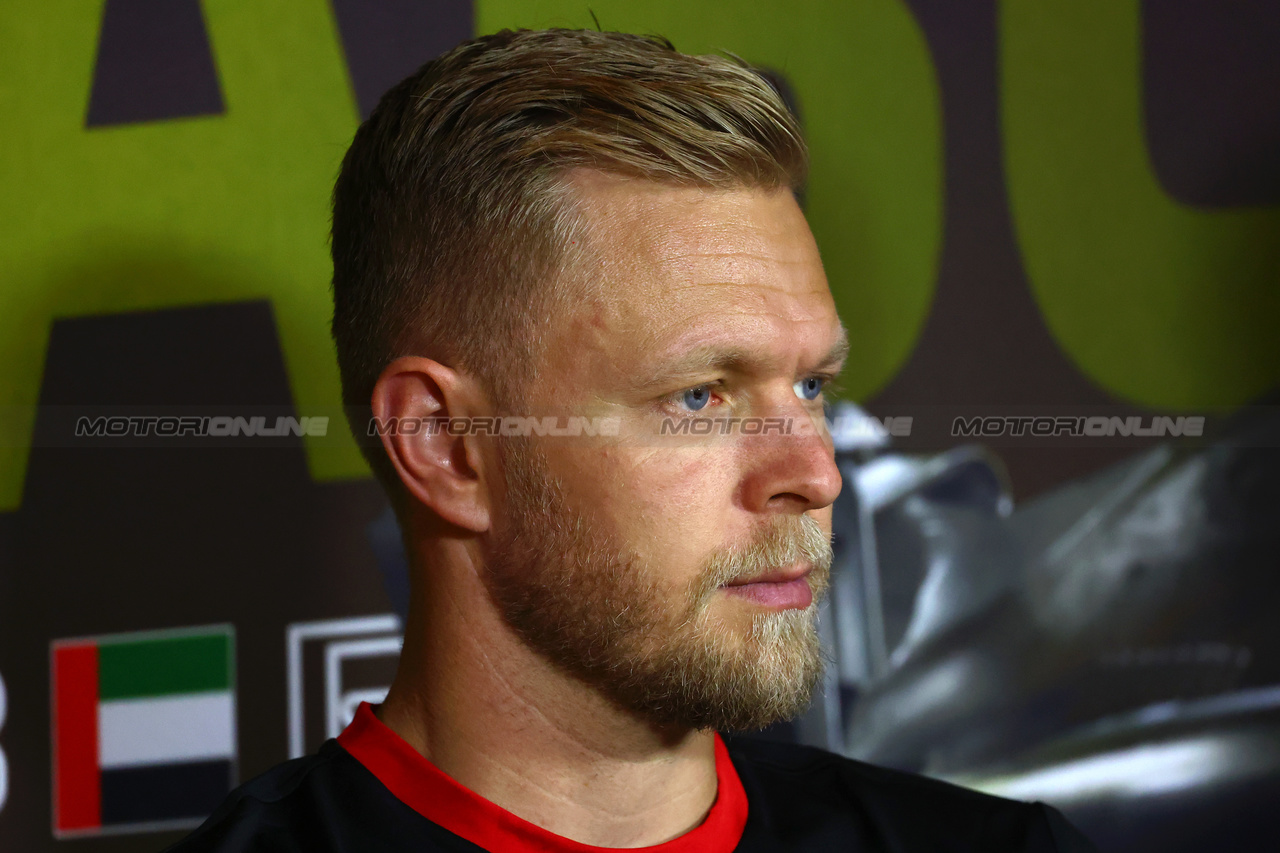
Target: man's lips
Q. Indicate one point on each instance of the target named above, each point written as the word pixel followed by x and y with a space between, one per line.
pixel 786 574
pixel 779 588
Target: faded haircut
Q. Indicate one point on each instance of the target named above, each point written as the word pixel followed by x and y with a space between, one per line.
pixel 455 236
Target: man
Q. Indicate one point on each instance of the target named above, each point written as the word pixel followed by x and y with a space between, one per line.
pixel 594 228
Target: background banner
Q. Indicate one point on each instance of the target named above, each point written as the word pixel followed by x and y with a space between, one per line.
pixel 1025 209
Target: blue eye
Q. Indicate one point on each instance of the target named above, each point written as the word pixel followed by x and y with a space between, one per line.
pixel 809 388
pixel 696 398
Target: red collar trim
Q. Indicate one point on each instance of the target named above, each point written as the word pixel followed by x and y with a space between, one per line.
pixel 423 787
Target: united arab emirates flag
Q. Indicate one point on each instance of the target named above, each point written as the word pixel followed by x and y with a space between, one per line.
pixel 144 729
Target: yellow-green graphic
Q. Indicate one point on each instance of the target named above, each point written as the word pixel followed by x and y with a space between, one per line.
pixel 1159 303
pixel 210 209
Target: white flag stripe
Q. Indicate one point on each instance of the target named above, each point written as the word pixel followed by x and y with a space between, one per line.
pixel 166 730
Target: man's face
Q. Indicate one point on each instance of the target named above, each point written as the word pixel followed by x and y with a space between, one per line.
pixel 680 574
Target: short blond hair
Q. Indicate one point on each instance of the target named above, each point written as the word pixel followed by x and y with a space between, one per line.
pixel 452 226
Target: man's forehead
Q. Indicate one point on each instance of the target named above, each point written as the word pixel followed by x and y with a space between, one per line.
pixel 638 220
pixel 686 268
pixel 697 247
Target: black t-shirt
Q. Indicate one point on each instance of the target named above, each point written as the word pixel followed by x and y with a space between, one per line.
pixel 771 797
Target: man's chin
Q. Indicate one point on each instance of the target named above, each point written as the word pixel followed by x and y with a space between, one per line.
pixel 748 668
pixel 746 617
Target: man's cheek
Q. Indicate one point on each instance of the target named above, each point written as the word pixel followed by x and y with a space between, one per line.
pixel 689 497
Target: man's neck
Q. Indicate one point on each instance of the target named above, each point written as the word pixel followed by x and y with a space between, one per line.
pixel 511 727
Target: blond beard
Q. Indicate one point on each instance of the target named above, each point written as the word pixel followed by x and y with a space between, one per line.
pixel 593 608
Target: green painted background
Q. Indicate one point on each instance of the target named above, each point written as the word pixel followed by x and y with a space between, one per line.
pixel 212 209
pixel 1158 304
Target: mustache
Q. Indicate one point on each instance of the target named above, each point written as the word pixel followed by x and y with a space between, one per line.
pixel 789 540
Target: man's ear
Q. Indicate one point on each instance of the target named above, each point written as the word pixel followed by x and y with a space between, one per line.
pixel 444 472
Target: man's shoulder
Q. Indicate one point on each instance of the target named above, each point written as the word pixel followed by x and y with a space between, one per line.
pixel 797 788
pixel 322 802
pixel 267 812
pixel 796 764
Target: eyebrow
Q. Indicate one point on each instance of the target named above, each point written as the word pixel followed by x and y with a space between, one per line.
pixel 839 351
pixel 712 358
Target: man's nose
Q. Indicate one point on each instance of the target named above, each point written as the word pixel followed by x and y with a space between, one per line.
pixel 790 461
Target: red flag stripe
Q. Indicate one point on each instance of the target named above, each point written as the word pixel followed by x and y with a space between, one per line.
pixel 76 779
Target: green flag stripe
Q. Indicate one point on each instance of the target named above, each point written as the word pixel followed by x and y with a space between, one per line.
pixel 161 667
